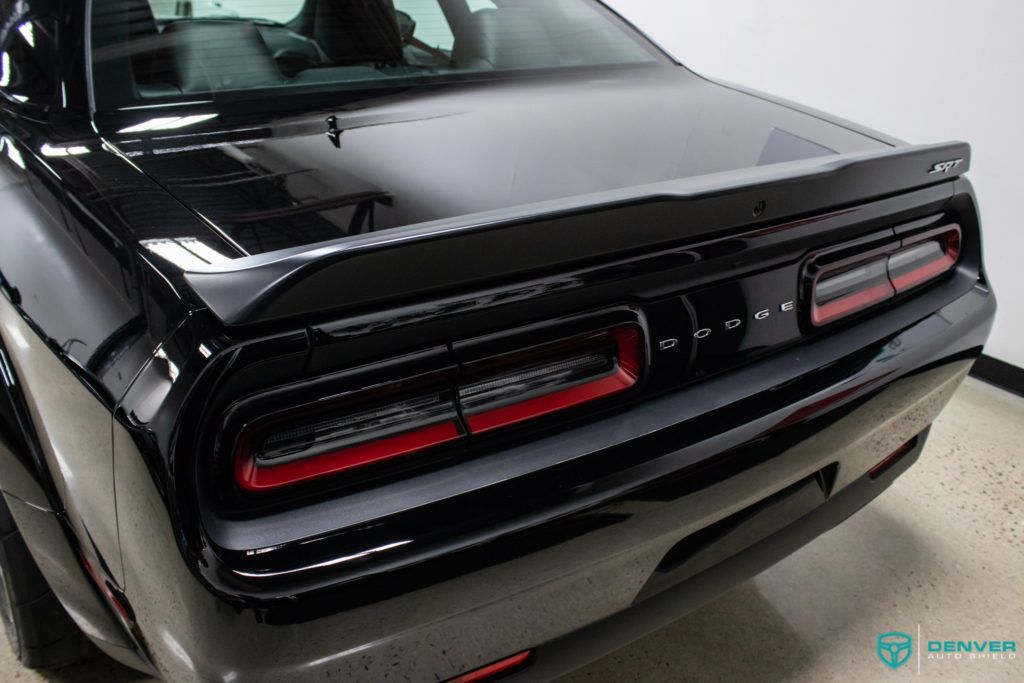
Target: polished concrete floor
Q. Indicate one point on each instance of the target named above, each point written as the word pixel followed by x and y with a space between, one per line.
pixel 942 550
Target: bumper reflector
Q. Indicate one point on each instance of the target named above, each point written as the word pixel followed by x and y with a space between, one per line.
pixel 496 669
pixel 892 459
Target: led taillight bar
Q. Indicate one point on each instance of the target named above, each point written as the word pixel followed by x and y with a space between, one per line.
pixel 297 445
pixel 607 364
pixel 927 259
pixel 839 291
pixel 837 296
pixel 386 423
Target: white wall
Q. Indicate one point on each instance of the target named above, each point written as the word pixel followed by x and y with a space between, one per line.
pixel 921 70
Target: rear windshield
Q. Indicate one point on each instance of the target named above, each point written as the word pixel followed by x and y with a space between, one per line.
pixel 150 51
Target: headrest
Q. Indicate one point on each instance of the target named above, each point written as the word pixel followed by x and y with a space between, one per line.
pixel 358 31
pixel 506 38
pixel 210 55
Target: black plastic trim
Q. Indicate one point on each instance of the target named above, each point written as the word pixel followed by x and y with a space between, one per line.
pixel 999 373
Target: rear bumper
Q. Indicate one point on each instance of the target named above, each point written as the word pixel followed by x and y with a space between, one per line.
pixel 577 580
pixel 575 650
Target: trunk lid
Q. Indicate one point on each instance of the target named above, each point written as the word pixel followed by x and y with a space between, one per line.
pixel 434 155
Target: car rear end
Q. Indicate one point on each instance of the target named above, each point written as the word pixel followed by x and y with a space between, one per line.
pixel 538 436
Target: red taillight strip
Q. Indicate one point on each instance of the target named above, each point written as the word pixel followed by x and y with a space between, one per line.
pixel 495 669
pixel 847 305
pixel 629 341
pixel 922 274
pixel 253 477
pixel 945 241
pixel 327 438
pixel 950 255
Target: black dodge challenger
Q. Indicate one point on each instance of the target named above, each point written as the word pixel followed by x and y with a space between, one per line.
pixel 436 339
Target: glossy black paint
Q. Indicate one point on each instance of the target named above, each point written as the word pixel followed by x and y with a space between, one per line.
pixel 480 248
pixel 447 552
pixel 401 153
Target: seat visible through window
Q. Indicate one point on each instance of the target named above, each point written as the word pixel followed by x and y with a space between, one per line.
pixel 505 39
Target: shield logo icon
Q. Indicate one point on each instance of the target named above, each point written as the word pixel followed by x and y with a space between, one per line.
pixel 894 648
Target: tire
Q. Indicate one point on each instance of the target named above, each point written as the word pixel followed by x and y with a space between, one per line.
pixel 41 634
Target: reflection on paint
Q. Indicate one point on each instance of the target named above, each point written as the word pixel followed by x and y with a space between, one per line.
pixel 28 33
pixel 75 150
pixel 185 252
pixel 167 123
pixel 13 153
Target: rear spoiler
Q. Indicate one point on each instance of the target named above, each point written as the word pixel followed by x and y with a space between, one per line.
pixel 356 273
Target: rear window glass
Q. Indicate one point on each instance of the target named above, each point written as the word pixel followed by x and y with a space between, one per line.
pixel 280 11
pixel 149 51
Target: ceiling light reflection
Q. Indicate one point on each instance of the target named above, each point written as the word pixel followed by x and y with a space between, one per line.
pixel 185 252
pixel 203 251
pixel 12 152
pixel 28 33
pixel 167 123
pixel 75 150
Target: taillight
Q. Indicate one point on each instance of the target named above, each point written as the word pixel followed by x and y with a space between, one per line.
pixel 521 387
pixel 355 429
pixel 930 256
pixel 335 436
pixel 845 293
pixel 844 288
